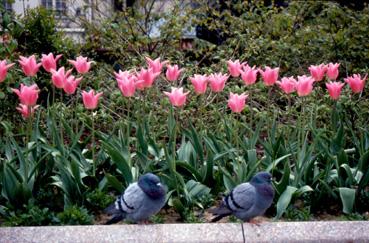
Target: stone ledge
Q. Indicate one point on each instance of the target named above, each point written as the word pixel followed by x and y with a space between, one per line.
pixel 329 231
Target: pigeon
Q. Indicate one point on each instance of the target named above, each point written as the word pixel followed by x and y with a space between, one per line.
pixel 139 201
pixel 247 200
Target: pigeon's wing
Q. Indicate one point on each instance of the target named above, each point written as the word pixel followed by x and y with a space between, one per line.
pixel 241 198
pixel 132 199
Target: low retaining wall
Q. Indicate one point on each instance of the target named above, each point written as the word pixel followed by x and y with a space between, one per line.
pixel 329 231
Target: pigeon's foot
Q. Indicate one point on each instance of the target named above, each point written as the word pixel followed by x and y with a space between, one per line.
pixel 255 221
pixel 145 222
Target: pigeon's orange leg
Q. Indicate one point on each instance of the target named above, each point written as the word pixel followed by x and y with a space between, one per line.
pixel 255 221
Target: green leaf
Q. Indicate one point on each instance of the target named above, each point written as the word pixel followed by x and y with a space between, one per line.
pixel 120 161
pixel 284 200
pixel 347 198
pixel 277 161
pixel 114 182
pixel 283 183
pixel 190 169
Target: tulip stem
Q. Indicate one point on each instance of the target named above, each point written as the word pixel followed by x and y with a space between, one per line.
pixel 53 95
pixel 61 123
pixel 29 125
pixel 128 117
pixel 93 145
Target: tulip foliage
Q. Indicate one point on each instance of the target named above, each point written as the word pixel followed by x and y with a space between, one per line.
pixel 201 132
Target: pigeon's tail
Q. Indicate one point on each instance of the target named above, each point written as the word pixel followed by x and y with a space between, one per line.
pixel 112 209
pixel 220 212
pixel 115 219
pixel 118 214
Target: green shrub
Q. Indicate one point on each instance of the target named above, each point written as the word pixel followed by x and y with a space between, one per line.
pixel 75 215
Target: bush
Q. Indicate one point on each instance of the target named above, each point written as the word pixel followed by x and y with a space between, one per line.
pixel 75 215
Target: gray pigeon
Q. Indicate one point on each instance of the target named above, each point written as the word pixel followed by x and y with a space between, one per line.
pixel 247 200
pixel 139 201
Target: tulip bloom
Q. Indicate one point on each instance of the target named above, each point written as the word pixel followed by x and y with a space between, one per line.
pixel 237 102
pixel 304 85
pixel 71 83
pixel 334 89
pixel 199 83
pixel 29 65
pixel 317 72
pixel 173 72
pixel 90 100
pixel 217 81
pixel 59 77
pixel 356 83
pixel 249 75
pixel 123 74
pixel 4 69
pixel 234 68
pixel 127 86
pixel 26 111
pixel 156 65
pixel 145 78
pixel 288 85
pixel 177 97
pixel 81 64
pixel 49 62
pixel 270 75
pixel 332 71
pixel 28 95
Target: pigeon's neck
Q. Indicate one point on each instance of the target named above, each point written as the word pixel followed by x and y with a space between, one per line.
pixel 265 190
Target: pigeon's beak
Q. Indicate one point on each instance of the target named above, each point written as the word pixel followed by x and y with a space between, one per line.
pixel 159 184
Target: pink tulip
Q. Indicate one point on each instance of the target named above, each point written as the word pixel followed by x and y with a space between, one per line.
pixel 356 83
pixel 71 83
pixel 28 95
pixel 26 111
pixel 4 69
pixel 90 100
pixel 334 89
pixel 249 75
pixel 49 62
pixel 332 71
pixel 317 72
pixel 59 77
pixel 127 86
pixel 270 75
pixel 156 65
pixel 145 78
pixel 199 83
pixel 217 81
pixel 29 65
pixel 304 85
pixel 176 96
pixel 288 85
pixel 237 102
pixel 123 74
pixel 173 72
pixel 81 64
pixel 234 68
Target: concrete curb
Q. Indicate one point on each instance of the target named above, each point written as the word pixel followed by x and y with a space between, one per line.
pixel 329 231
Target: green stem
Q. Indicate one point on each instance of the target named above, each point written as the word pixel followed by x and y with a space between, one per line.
pixel 53 94
pixel 61 124
pixel 75 112
pixel 93 145
pixel 128 117
pixel 29 126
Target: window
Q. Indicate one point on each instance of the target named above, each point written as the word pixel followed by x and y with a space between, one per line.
pixel 47 4
pixel 6 5
pixel 59 6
